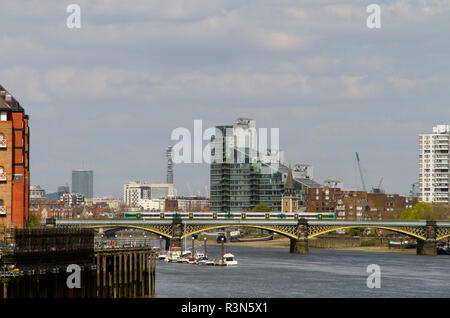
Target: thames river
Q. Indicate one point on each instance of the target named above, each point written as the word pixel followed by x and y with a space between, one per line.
pixel 273 272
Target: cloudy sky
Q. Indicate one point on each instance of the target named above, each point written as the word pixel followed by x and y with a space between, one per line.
pixel 108 95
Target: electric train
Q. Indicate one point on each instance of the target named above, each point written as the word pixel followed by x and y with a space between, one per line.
pixel 229 215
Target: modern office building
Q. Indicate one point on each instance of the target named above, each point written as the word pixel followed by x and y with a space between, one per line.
pixel 242 176
pixel 134 191
pixel 83 182
pixel 14 162
pixel 434 160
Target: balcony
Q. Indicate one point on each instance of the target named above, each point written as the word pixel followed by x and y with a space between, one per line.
pixel 2 210
pixel 3 176
pixel 3 143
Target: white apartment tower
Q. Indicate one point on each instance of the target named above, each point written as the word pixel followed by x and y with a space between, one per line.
pixel 434 159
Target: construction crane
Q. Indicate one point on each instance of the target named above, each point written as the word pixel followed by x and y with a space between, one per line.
pixel 360 172
pixel 378 189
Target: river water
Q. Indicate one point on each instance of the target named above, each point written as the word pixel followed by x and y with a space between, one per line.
pixel 273 272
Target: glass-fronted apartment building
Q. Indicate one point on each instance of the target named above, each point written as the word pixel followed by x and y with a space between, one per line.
pixel 240 177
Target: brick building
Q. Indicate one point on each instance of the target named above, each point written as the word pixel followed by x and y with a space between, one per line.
pixel 51 209
pixel 14 162
pixel 357 205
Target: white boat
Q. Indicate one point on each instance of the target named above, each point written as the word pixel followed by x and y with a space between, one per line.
pixel 199 255
pixel 173 257
pixel 186 253
pixel 205 261
pixel 209 262
pixel 229 259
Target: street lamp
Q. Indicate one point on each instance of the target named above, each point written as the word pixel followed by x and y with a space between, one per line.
pixel 204 240
pixel 193 248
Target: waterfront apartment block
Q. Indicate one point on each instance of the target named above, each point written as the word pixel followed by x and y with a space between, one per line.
pixel 242 177
pixel 357 205
pixel 175 204
pixel 134 191
pixel 14 162
pixel 434 157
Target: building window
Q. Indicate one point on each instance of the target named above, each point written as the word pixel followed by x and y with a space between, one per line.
pixel 2 174
pixel 2 141
pixel 2 209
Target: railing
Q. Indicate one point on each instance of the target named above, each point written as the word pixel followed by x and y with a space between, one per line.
pixel 2 210
pixel 3 176
pixel 3 143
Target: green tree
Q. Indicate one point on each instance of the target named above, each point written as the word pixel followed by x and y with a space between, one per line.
pixel 34 221
pixel 354 232
pixel 261 207
pixel 421 211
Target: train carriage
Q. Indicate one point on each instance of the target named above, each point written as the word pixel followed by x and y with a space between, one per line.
pixel 230 215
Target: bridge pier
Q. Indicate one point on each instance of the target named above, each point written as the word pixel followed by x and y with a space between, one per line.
pixel 428 247
pixel 300 245
pixel 177 232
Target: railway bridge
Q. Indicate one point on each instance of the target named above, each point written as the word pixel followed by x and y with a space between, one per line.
pixel 427 233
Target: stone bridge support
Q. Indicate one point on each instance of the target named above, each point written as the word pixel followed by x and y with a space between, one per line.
pixel 177 232
pixel 428 247
pixel 300 245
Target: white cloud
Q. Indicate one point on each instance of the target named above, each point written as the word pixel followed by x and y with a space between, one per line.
pixel 24 83
pixel 100 83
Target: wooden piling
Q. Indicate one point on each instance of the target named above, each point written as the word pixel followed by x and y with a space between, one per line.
pixel 120 276
pixel 115 276
pixel 98 276
pixel 104 281
pixel 130 279
pixel 125 275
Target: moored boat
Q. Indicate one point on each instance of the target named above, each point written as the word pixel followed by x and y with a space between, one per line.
pixel 229 259
pixel 402 244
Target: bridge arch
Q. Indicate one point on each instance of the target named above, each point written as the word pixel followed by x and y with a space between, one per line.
pixel 284 231
pixel 153 230
pixel 407 231
pixel 443 236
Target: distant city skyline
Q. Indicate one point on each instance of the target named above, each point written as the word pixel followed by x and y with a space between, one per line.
pixel 110 93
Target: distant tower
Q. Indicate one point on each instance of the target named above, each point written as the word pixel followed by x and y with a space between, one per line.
pixel 83 182
pixel 169 165
pixel 289 199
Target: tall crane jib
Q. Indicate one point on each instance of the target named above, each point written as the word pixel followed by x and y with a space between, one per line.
pixel 360 172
